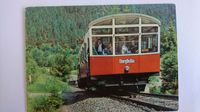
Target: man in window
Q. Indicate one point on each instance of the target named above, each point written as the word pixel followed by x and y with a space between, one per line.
pixel 99 46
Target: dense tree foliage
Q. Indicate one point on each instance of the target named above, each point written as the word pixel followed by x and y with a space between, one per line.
pixel 55 58
pixel 64 25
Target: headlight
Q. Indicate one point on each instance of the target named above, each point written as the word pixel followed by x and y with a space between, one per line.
pixel 126 69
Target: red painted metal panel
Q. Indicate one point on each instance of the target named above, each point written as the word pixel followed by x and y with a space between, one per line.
pixel 101 65
pixel 150 63
pixel 105 65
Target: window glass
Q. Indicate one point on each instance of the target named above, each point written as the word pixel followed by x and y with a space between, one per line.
pixel 126 20
pixel 126 45
pixel 149 29
pixel 85 51
pixel 149 43
pixel 102 45
pixel 101 31
pixel 126 30
pixel 82 55
pixel 105 22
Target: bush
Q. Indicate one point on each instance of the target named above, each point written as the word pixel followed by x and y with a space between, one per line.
pixel 62 67
pixel 54 85
pixel 31 70
pixel 37 54
pixel 55 100
pixel 155 84
pixel 44 103
pixel 155 90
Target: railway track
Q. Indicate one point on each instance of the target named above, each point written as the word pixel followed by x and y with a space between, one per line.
pixel 171 97
pixel 155 101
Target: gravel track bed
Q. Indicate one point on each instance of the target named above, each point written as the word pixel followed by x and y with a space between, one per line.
pixel 104 104
pixel 158 101
pixel 81 101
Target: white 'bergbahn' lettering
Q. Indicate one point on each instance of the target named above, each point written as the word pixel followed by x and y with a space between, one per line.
pixel 126 61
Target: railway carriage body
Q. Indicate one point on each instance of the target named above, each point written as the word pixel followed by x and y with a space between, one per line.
pixel 120 50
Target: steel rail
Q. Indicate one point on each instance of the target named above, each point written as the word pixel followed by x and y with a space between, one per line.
pixel 142 103
pixel 172 97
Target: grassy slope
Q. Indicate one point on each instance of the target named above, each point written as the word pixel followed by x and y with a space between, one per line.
pixel 47 83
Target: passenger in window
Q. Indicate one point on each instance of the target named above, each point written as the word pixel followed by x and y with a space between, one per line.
pixel 134 47
pixel 99 46
pixel 124 49
pixel 118 49
pixel 109 49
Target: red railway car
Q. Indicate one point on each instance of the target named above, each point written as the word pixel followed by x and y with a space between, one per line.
pixel 120 51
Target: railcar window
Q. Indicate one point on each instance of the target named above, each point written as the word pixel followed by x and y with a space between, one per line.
pixel 84 51
pixel 126 45
pixel 149 29
pixel 125 30
pixel 102 45
pixel 105 22
pixel 149 43
pixel 101 31
pixel 81 55
pixel 126 20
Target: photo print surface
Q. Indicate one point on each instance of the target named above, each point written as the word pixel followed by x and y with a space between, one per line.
pixel 101 58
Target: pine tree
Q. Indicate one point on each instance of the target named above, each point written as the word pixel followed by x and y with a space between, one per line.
pixel 169 64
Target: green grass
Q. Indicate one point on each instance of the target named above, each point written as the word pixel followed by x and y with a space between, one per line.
pixel 46 83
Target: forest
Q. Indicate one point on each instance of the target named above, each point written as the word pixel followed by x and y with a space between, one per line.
pixel 52 47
